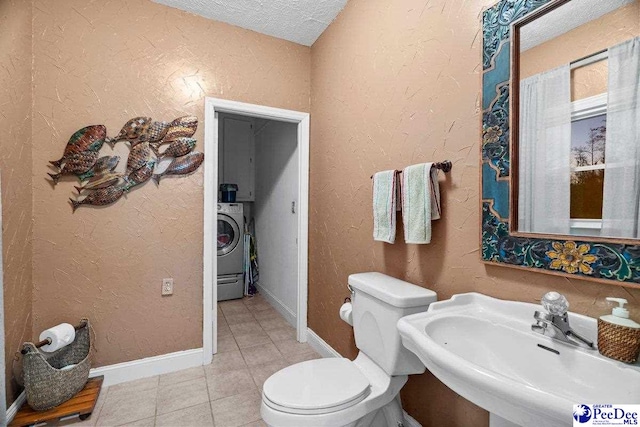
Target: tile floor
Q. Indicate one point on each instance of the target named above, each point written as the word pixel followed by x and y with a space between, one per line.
pixel 254 341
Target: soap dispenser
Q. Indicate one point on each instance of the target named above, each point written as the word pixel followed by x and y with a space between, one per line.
pixel 619 336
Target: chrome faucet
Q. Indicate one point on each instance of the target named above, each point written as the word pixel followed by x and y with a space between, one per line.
pixel 555 322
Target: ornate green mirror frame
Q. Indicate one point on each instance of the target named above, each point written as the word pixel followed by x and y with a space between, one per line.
pixel 603 260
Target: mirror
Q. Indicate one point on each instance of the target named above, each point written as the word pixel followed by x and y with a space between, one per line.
pixel 593 255
pixel 575 118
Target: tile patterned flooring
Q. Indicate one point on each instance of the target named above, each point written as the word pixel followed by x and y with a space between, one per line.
pixel 254 341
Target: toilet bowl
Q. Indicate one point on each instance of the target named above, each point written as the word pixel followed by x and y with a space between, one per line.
pixel 337 392
pixel 332 392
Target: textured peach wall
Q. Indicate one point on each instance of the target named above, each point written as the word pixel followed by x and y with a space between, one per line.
pixel 99 62
pixel 15 168
pixel 606 31
pixel 393 84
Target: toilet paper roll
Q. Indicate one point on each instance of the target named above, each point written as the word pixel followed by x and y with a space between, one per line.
pixel 346 313
pixel 60 336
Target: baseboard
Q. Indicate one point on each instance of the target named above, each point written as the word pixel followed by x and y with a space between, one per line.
pixel 320 345
pixel 148 367
pixel 409 421
pixel 325 350
pixel 133 370
pixel 15 406
pixel 288 314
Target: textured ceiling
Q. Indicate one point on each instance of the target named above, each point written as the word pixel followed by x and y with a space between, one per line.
pixel 299 21
pixel 565 18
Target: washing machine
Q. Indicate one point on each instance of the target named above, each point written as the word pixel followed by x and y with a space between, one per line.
pixel 230 251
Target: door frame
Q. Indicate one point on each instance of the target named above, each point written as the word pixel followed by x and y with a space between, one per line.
pixel 210 273
pixel 4 416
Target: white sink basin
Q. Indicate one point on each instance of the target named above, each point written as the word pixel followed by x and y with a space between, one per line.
pixel 484 350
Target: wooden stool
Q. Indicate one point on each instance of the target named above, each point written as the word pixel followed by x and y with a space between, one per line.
pixel 81 404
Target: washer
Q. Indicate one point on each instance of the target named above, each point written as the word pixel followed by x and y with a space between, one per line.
pixel 230 251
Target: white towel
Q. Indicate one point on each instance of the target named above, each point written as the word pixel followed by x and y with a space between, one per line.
pixel 384 206
pixel 420 202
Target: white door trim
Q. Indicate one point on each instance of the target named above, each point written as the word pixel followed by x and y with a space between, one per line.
pixel 3 403
pixel 213 106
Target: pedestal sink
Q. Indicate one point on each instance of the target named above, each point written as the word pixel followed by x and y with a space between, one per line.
pixel 484 350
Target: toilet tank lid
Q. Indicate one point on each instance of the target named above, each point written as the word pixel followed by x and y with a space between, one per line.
pixel 393 291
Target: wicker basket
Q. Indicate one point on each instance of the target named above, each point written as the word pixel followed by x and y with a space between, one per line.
pixel 46 384
pixel 618 342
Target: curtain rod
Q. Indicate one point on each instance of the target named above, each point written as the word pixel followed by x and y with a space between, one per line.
pixel 590 59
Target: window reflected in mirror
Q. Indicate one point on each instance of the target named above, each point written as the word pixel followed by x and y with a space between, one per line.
pixel 588 138
pixel 577 136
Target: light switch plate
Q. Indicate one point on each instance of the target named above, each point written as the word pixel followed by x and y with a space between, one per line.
pixel 167 286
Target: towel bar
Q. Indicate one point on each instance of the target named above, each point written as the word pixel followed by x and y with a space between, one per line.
pixel 444 166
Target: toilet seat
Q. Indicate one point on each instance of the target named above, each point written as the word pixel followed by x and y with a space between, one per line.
pixel 316 387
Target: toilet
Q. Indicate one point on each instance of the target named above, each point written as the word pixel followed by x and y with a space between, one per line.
pixel 366 391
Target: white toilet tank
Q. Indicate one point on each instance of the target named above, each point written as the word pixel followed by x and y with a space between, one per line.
pixel 378 303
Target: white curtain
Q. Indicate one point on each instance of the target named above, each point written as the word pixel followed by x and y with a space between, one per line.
pixel 621 198
pixel 545 151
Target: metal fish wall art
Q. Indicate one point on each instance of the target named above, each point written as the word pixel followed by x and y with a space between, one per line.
pixel 138 157
pixel 100 181
pixel 181 166
pixel 154 133
pixel 101 197
pixel 179 147
pixel 88 138
pixel 76 163
pixel 140 176
pixel 182 127
pixel 173 134
pixel 186 121
pixel 103 164
pixel 131 130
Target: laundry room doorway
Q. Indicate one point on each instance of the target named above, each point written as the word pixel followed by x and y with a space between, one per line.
pixel 260 155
